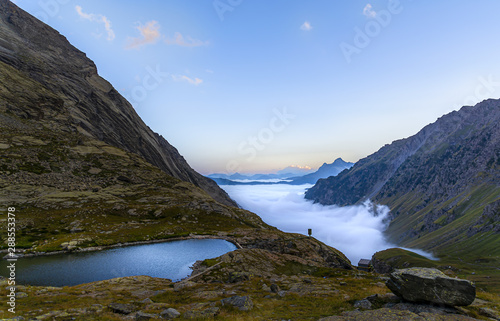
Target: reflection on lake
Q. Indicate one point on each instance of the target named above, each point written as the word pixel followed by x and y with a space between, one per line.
pixel 169 260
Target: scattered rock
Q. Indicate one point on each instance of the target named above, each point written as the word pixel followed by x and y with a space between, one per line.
pixel 281 293
pixel 170 313
pixel 147 300
pixel 122 308
pixel 94 171
pixel 142 316
pixel 67 246
pixel 20 295
pixel 431 285
pixel 363 304
pixel 243 303
pixel 275 288
pixel 489 313
pixel 76 229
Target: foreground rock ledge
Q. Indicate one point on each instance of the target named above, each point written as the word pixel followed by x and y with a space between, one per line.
pixel 431 285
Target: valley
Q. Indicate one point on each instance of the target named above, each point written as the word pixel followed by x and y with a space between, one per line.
pixel 87 175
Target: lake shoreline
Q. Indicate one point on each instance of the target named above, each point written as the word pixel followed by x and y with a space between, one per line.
pixel 126 244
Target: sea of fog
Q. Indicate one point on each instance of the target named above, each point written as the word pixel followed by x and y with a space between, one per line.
pixel 356 230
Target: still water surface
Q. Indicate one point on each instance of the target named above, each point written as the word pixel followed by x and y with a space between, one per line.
pixel 169 260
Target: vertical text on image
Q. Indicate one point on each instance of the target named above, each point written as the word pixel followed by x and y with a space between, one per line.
pixel 11 258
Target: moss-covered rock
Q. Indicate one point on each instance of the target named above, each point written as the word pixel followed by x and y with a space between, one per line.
pixel 431 285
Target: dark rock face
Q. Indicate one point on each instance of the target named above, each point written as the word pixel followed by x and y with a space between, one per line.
pixel 431 285
pixel 71 95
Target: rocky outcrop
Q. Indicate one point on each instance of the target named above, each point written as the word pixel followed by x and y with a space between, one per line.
pixel 431 285
pixel 243 265
pixel 43 78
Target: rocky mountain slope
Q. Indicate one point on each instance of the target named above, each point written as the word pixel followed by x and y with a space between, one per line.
pixel 442 184
pixel 83 171
pixel 71 95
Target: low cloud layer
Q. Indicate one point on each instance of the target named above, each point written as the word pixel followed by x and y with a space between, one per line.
pixel 357 231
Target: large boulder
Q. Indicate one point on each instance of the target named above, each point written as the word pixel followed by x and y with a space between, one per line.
pixel 431 285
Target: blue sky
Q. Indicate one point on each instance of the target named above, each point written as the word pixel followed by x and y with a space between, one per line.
pixel 256 86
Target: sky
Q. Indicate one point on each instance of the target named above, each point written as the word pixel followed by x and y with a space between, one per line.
pixel 256 86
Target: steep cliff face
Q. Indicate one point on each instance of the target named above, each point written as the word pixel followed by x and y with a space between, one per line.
pixel 75 97
pixel 437 182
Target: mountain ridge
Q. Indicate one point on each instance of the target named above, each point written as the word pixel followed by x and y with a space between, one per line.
pixel 76 97
pixel 324 171
pixel 446 173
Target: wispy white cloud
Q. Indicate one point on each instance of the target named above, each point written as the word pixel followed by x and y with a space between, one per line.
pixel 150 33
pixel 195 81
pixel 179 40
pixel 368 11
pixel 306 26
pixel 97 18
